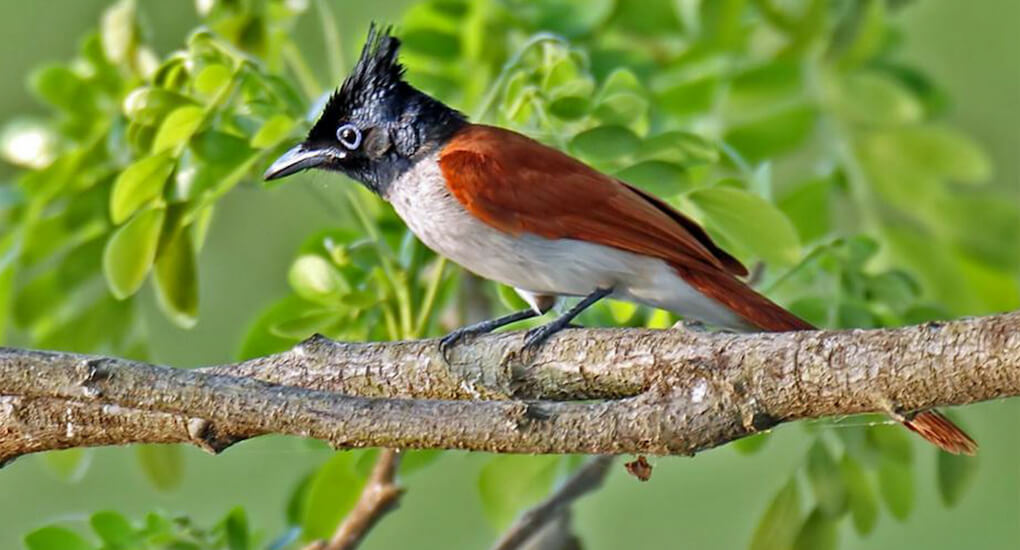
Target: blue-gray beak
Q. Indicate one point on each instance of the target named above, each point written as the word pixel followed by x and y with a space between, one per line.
pixel 301 158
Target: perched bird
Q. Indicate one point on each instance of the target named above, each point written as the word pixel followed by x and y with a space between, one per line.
pixel 518 212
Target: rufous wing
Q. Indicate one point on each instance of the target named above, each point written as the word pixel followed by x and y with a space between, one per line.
pixel 518 185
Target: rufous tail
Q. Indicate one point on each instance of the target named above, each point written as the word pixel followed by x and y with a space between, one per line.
pixel 768 316
pixel 941 431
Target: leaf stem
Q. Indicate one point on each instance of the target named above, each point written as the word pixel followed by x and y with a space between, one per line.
pixel 293 58
pixel 428 303
pixel 490 98
pixel 331 36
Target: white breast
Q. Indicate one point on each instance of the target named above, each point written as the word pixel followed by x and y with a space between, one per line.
pixel 535 264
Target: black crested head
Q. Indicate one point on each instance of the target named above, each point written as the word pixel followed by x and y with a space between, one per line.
pixel 376 125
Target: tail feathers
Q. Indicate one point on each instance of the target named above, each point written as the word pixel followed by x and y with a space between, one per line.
pixel 941 431
pixel 759 311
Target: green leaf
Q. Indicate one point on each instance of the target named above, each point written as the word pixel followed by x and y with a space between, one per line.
pixel 9 251
pixel 313 278
pixel 62 88
pixel 662 179
pixel 686 96
pixel 176 278
pixel 749 221
pixel 138 184
pixel 955 475
pixel 778 527
pixel 56 538
pixel 763 87
pixel 509 483
pixel 772 135
pixel 569 107
pixel 331 494
pixel 678 147
pixel 875 99
pixel 896 485
pixel 892 442
pixel 413 460
pixel 177 128
pixel 211 79
pixel 222 161
pixel 274 131
pixel 260 340
pixel 296 500
pixel 646 18
pixel 149 106
pixel 860 495
pixel 826 481
pixel 130 251
pixel 235 526
pixel 928 151
pixel 306 324
pixel 623 108
pixel 751 444
pixel 118 31
pixel 807 205
pixel 113 529
pixel 510 299
pixel 68 465
pixel 163 465
pixel 433 43
pixel 605 143
pixel 817 533
pixel 622 311
pixel 869 32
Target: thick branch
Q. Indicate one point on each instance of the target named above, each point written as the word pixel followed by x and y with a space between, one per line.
pixel 657 392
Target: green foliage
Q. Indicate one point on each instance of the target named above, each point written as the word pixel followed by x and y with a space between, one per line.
pixel 163 465
pixel 113 531
pixel 511 483
pixel 68 465
pixel 330 494
pixel 778 527
pixel 791 130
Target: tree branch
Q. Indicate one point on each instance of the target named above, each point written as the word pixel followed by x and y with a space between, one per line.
pixel 655 392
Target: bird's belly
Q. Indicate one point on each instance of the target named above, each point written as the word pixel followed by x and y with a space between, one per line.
pixel 536 264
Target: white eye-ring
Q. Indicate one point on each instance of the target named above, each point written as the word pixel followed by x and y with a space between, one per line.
pixel 349 135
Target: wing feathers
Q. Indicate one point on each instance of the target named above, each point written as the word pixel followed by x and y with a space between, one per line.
pixel 518 185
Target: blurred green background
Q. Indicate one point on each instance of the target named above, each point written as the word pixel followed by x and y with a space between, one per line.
pixel 710 501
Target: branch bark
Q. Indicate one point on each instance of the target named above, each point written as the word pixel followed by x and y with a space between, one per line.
pixel 654 392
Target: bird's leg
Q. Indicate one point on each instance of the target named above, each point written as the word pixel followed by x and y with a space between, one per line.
pixel 538 335
pixel 483 327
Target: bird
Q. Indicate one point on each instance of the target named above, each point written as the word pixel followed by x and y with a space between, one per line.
pixel 511 209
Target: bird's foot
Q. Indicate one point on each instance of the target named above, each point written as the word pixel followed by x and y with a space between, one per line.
pixel 536 337
pixel 446 343
pixel 484 327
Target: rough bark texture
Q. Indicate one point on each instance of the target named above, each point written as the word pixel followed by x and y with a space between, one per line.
pixel 657 392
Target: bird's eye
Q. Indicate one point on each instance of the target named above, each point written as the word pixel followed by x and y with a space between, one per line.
pixel 349 136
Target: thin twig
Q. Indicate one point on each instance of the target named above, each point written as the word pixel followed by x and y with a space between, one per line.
pixel 379 497
pixel 587 479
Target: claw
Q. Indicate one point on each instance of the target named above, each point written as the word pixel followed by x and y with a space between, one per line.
pixel 450 340
pixel 484 327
